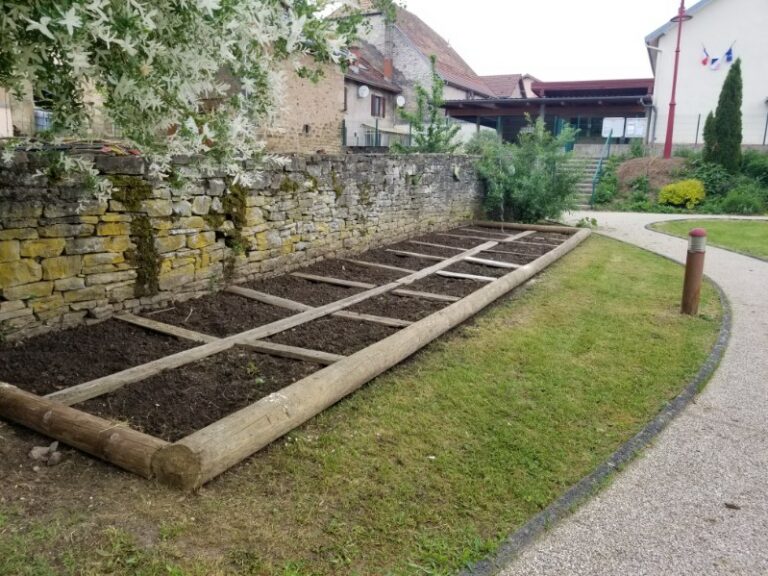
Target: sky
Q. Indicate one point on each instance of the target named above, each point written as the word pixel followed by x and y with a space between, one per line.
pixel 550 39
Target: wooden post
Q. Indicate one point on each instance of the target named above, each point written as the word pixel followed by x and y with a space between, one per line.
pixel 205 454
pixel 110 441
pixel 694 271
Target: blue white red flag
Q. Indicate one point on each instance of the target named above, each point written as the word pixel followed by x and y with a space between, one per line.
pixel 729 55
pixel 704 56
pixel 714 64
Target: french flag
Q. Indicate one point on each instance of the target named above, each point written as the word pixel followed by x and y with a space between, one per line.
pixel 705 56
pixel 729 55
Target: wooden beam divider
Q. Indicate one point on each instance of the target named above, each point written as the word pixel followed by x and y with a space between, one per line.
pixel 299 307
pixel 257 345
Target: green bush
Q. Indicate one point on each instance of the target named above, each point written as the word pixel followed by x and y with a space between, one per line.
pixel 747 198
pixel 717 180
pixel 686 193
pixel 529 181
pixel 755 165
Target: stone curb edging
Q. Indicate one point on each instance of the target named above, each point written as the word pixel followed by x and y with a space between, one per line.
pixel 580 492
pixel 739 252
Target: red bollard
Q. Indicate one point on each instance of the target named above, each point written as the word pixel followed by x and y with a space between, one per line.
pixel 694 271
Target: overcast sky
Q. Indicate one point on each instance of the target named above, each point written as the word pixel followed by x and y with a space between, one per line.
pixel 551 39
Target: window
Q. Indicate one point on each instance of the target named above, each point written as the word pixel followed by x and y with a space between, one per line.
pixel 378 106
pixel 346 92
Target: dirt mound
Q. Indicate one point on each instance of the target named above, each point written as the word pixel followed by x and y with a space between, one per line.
pixel 659 171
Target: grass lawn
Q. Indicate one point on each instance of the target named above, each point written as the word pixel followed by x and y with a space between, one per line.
pixel 423 471
pixel 746 236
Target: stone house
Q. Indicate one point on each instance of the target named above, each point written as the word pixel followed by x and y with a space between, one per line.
pixel 400 53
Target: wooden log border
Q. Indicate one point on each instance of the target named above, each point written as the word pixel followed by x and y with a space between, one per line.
pixel 203 455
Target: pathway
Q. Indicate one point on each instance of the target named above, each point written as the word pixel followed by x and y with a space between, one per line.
pixel 696 501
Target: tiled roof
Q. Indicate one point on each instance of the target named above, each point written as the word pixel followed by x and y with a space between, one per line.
pixel 640 86
pixel 451 67
pixel 366 71
pixel 505 85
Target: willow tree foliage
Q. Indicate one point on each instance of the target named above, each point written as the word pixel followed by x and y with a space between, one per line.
pixel 191 77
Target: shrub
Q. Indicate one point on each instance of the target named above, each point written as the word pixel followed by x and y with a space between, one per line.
pixel 636 148
pixel 747 198
pixel 717 180
pixel 755 165
pixel 528 181
pixel 686 193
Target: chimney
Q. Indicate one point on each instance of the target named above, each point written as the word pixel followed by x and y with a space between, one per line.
pixel 389 68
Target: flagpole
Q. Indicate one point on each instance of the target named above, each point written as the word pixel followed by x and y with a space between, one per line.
pixel 680 18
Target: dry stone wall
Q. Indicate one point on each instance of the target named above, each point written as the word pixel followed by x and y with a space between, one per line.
pixel 69 257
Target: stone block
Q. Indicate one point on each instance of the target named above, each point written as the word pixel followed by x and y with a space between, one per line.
pixel 61 267
pixel 201 240
pixel 157 208
pixel 110 277
pixel 18 311
pixel 47 304
pixel 113 229
pixel 43 248
pixel 129 165
pixel 98 244
pixel 85 208
pixel 9 251
pixel 66 230
pixel 201 205
pixel 19 272
pixel 26 291
pixel 67 284
pixel 18 234
pixel 90 293
pixel 166 244
pixel 113 217
pixel 216 187
pixel 21 210
pixel 177 278
pixel 193 222
pixel 103 258
pixel 183 208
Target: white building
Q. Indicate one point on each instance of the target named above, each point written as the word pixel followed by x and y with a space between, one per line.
pixel 716 26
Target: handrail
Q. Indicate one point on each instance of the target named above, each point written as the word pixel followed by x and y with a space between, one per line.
pixel 605 153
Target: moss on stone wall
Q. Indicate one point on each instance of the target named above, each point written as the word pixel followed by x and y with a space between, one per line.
pixel 145 257
pixel 130 191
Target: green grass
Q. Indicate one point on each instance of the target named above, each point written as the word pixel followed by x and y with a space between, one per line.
pixel 746 236
pixel 428 468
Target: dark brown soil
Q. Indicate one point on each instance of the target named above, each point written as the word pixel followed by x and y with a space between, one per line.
pixel 447 286
pixel 304 291
pixel 402 307
pixel 381 256
pixel 334 335
pixel 220 314
pixel 507 257
pixel 55 361
pixel 466 244
pixel 431 250
pixel 178 402
pixel 349 271
pixel 477 269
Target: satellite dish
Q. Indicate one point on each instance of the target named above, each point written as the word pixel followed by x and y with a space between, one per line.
pixel 400 101
pixel 363 92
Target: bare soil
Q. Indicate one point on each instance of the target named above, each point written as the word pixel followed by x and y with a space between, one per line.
pixel 402 307
pixel 59 360
pixel 178 402
pixel 220 314
pixel 334 335
pixel 304 291
pixel 659 172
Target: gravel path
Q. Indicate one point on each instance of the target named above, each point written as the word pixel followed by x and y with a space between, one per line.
pixel 696 501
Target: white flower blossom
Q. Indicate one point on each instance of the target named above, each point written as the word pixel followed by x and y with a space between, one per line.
pixel 41 26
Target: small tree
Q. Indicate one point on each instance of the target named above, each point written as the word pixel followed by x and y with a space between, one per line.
pixel 432 131
pixel 528 181
pixel 709 154
pixel 728 125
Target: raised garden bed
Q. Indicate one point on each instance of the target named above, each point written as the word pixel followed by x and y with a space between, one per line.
pixel 222 376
